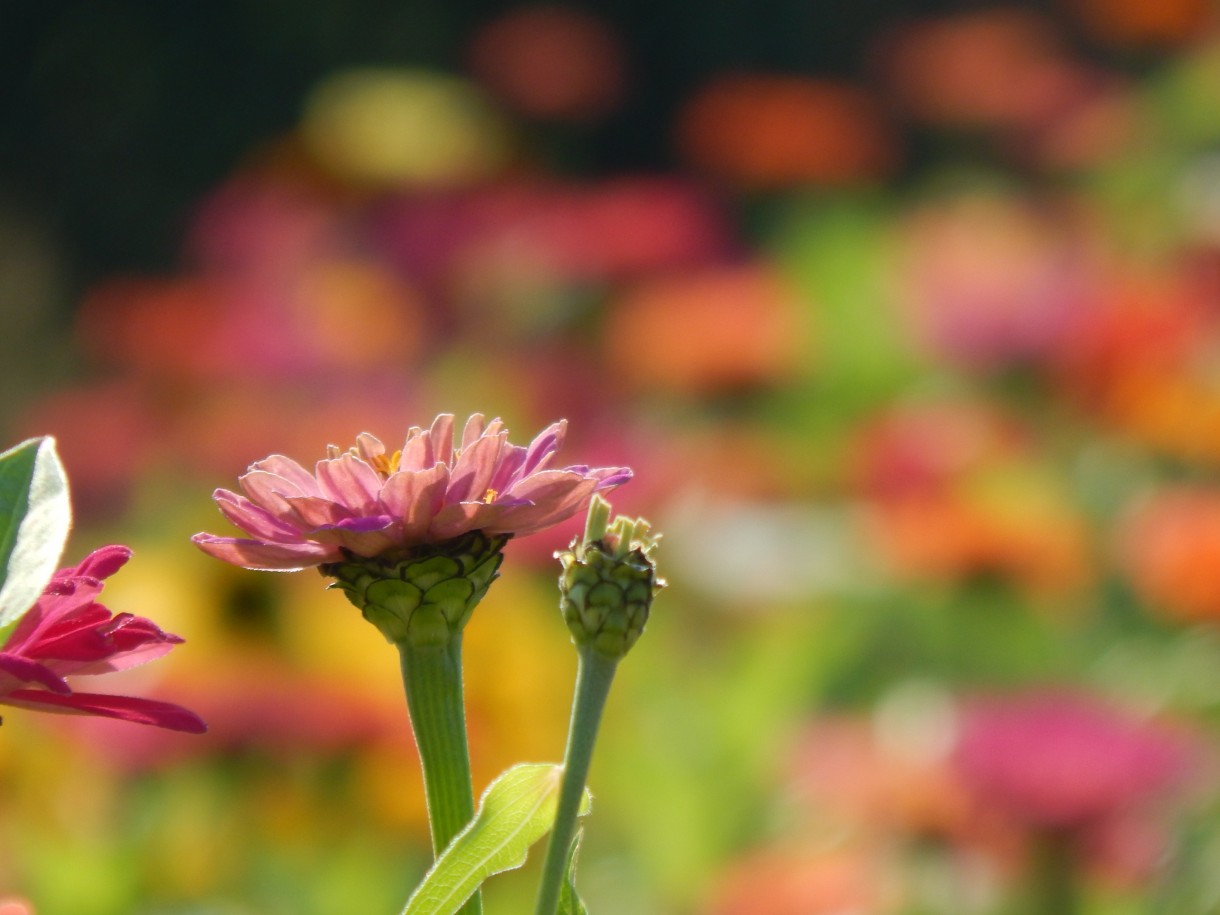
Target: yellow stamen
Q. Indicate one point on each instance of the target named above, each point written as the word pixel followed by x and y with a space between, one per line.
pixel 386 464
pixel 490 496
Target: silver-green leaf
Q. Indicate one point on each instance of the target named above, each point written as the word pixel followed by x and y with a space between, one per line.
pixel 516 810
pixel 35 516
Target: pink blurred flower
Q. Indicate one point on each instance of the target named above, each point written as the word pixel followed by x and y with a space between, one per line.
pixel 67 633
pixel 1065 762
pixel 366 502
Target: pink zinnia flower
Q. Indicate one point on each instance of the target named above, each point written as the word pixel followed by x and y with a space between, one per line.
pixel 68 633
pixel 1065 762
pixel 366 502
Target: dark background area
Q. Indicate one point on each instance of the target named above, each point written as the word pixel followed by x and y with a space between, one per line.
pixel 118 114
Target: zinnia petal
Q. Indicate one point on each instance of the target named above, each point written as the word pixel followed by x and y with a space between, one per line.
pixel 264 556
pixel 125 708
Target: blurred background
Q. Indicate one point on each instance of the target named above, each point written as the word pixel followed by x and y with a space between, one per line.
pixel 907 316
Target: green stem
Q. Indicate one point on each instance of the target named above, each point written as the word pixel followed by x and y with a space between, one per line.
pixel 432 677
pixel 593 678
pixel 1053 874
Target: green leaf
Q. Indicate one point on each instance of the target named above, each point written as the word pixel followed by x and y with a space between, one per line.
pixel 516 810
pixel 569 902
pixel 35 515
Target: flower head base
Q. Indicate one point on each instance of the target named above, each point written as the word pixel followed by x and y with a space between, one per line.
pixel 427 598
pixel 67 633
pixel 370 503
pixel 608 581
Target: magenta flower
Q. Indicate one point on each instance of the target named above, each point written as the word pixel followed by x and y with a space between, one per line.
pixel 68 633
pixel 1065 762
pixel 366 502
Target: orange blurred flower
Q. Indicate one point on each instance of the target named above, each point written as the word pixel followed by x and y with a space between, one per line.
pixel 1145 23
pixel 999 67
pixel 551 62
pixel 1170 548
pixel 715 329
pixel 1033 542
pixel 763 132
pixel 797 881
pixel 957 491
pixel 1143 363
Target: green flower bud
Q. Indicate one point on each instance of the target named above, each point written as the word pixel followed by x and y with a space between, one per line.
pixel 424 598
pixel 608 581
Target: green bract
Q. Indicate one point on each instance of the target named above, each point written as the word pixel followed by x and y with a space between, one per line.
pixel 427 597
pixel 608 582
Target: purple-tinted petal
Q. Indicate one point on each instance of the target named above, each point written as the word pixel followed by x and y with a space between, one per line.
pixel 350 482
pixel 610 477
pixel 26 671
pixel 544 446
pixel 126 708
pixel 267 557
pixel 414 497
pixel 512 458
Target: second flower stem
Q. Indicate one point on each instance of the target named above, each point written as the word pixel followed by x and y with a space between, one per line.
pixel 432 677
pixel 593 678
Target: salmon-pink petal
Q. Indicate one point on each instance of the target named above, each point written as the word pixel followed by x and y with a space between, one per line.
pixel 269 491
pixel 362 543
pixel 257 522
pixel 350 482
pixel 369 447
pixel 126 708
pixel 267 557
pixel 459 518
pixel 474 468
pixel 414 497
pixel 562 500
pixel 285 467
pixel 314 513
pixel 474 428
pixel 26 671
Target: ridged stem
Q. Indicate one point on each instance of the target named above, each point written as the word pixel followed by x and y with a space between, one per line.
pixel 593 678
pixel 1053 874
pixel 432 677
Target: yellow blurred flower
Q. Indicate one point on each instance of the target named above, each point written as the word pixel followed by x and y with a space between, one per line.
pixel 392 127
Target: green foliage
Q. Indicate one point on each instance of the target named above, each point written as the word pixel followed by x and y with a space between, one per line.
pixel 516 810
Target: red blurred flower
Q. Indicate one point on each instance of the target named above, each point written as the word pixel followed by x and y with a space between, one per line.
pixel 1063 761
pixel 996 68
pixel 67 633
pixel 551 62
pixel 763 132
